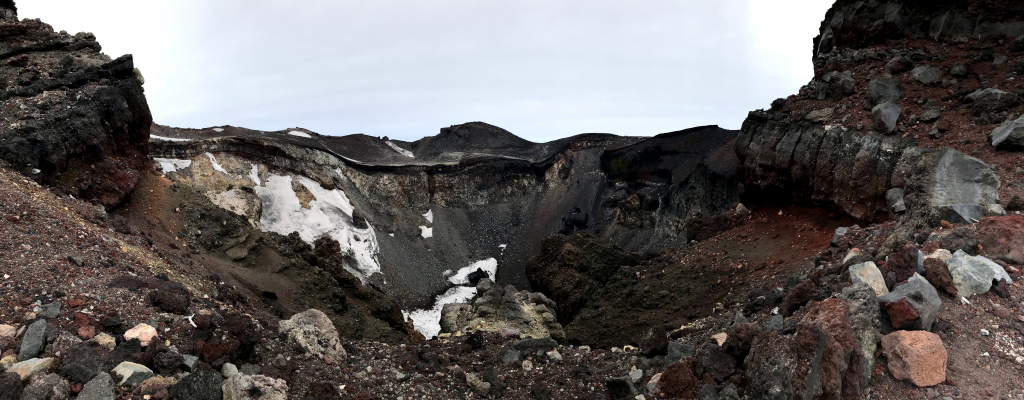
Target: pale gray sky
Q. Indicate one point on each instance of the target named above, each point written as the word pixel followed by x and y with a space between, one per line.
pixel 542 69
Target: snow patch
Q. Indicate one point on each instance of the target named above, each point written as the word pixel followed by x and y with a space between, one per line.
pixel 428 321
pixel 330 214
pixel 429 216
pixel 216 166
pixel 400 150
pixel 427 233
pixel 254 174
pixel 172 164
pixel 300 134
pixel 461 277
pixel 169 139
pixel 218 129
pixel 502 246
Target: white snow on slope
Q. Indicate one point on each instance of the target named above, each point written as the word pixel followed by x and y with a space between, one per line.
pixel 400 150
pixel 330 214
pixel 254 174
pixel 172 164
pixel 300 134
pixel 429 216
pixel 218 129
pixel 168 139
pixel 216 166
pixel 461 277
pixel 427 233
pixel 428 321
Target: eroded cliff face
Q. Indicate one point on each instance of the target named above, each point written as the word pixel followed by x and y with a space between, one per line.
pixel 406 214
pixel 898 117
pixel 73 118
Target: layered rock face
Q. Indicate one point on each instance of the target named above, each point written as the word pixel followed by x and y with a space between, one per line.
pixel 404 213
pixel 74 118
pixel 887 90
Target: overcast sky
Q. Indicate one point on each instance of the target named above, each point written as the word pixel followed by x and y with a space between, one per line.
pixel 542 69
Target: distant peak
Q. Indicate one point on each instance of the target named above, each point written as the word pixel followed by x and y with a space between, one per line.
pixel 481 135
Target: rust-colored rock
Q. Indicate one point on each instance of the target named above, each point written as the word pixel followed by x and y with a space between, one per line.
pixel 797 297
pixel 918 356
pixel 937 274
pixel 680 379
pixel 1002 238
pixel 901 313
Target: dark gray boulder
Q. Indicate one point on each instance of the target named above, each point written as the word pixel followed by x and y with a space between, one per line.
pixel 884 116
pixel 918 294
pixel 884 89
pixel 836 85
pixel 864 323
pixel 1009 136
pixel 945 184
pixel 898 65
pixel 992 100
pixel 199 385
pixel 34 340
pixel 927 74
pixel 99 388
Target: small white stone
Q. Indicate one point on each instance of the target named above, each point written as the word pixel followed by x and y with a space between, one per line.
pixel 985 332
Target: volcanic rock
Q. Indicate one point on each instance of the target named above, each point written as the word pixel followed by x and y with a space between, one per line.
pixel 974 274
pixel 884 90
pixel 90 137
pixel 315 333
pixel 680 379
pixel 927 74
pixel 864 324
pixel 99 388
pixel 885 116
pixel 937 274
pixel 898 65
pixel 131 373
pixel 29 368
pixel 47 387
pixel 1009 136
pixel 912 305
pixel 200 385
pixel 867 273
pixel 916 355
pixel 1002 238
pixel 254 387
pixel 145 333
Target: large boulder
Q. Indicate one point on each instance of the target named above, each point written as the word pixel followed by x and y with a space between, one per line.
pixel 35 338
pixel 836 85
pixel 1002 238
pixel 533 314
pixel 945 184
pixel 992 100
pixel 1009 136
pixel 912 305
pixel 917 356
pixel 823 360
pixel 974 274
pixel 681 379
pixel 76 119
pixel 199 385
pixel 314 332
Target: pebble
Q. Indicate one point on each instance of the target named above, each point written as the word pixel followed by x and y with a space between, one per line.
pixel 636 374
pixel 7 331
pixel 144 332
pixel 985 332
pixel 228 370
pixel 527 365
pixel 554 356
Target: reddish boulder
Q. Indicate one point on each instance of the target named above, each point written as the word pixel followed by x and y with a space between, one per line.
pixel 902 264
pixel 901 313
pixel 1002 238
pixel 797 297
pixel 680 379
pixel 916 355
pixel 937 274
pixel 822 359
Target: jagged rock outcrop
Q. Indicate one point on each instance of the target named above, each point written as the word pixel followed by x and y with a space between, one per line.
pixel 498 309
pixel 74 118
pixel 846 163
